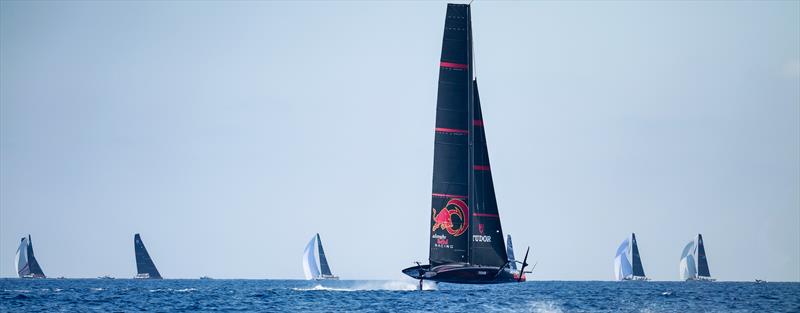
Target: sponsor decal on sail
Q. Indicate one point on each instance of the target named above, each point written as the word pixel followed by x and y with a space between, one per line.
pixel 444 219
pixel 441 241
pixel 481 237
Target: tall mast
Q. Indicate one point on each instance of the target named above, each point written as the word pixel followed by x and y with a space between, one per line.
pixel 472 200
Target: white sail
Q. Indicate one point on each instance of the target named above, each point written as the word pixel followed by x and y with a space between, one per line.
pixel 310 267
pixel 688 270
pixel 21 263
pixel 622 264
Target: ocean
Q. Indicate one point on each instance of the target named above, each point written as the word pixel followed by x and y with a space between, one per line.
pixel 194 295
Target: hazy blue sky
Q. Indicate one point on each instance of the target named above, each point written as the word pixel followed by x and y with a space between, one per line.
pixel 228 133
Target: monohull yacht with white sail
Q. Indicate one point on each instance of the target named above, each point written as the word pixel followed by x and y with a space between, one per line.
pixel 25 262
pixel 315 264
pixel 145 268
pixel 694 263
pixel 466 238
pixel 628 262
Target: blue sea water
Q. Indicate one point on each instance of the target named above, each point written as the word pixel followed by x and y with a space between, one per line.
pixel 192 295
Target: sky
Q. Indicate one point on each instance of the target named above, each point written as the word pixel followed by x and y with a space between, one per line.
pixel 229 133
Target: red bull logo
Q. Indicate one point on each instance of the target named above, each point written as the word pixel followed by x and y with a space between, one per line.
pixel 444 219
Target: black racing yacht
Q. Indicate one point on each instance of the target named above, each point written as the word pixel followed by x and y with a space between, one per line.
pixel 466 241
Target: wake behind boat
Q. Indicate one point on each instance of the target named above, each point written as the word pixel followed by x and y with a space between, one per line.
pixel 26 264
pixel 694 264
pixel 628 263
pixel 145 268
pixel 313 269
pixel 466 243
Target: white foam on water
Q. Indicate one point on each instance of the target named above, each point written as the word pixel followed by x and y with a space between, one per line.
pixel 545 307
pixel 398 285
pixel 97 289
pixel 175 290
pixel 371 285
pixel 322 288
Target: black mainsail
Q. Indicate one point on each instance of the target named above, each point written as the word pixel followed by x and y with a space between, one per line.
pixel 702 261
pixel 466 243
pixel 450 220
pixel 323 261
pixel 145 268
pixel 638 269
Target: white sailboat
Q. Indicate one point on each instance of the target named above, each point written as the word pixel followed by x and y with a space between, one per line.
pixel 25 262
pixel 315 264
pixel 628 262
pixel 694 263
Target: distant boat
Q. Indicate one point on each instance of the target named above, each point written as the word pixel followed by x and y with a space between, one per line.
pixel 105 277
pixel 312 269
pixel 760 281
pixel 510 252
pixel 26 264
pixel 694 263
pixel 205 278
pixel 145 268
pixel 466 243
pixel 627 262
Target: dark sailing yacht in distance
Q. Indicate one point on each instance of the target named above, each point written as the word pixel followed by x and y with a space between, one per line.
pixel 466 243
pixel 145 268
pixel 26 264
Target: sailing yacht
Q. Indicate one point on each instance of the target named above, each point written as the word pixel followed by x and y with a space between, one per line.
pixel 312 269
pixel 145 268
pixel 466 238
pixel 26 264
pixel 694 264
pixel 627 262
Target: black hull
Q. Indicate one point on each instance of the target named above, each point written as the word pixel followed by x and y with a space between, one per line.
pixel 462 274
